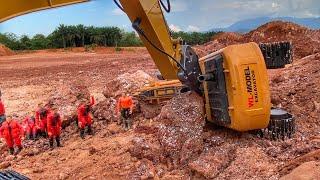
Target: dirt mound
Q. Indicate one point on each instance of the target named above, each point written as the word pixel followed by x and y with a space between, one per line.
pixel 4 51
pixel 297 89
pixel 305 41
pixel 105 110
pixel 128 82
pixel 309 170
pixel 67 99
pixel 180 133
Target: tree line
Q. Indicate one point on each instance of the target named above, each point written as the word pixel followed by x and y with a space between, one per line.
pixel 66 36
pixel 195 38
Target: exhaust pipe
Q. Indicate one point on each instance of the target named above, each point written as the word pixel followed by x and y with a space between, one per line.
pixel 206 77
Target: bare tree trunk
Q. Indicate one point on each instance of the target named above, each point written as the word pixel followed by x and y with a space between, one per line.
pixel 64 42
pixel 82 40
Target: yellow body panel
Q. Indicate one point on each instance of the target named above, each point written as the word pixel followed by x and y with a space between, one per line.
pixel 159 91
pixel 247 87
pixel 13 8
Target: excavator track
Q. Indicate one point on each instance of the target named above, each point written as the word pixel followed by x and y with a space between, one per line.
pixel 12 175
pixel 281 126
pixel 277 54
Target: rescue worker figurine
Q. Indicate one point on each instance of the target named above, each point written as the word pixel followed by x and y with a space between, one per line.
pixel 2 111
pixel 84 117
pixel 125 107
pixel 41 119
pixel 12 132
pixel 54 127
pixel 30 127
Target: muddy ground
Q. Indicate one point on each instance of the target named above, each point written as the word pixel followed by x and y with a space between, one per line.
pixel 177 144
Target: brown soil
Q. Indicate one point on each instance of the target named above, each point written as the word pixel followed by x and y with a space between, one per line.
pixel 177 144
pixel 4 51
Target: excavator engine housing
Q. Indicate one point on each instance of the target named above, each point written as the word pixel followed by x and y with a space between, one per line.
pixel 236 87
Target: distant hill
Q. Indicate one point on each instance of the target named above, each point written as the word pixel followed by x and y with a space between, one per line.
pixel 250 24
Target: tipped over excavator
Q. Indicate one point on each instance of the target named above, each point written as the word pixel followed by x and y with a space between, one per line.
pixel 233 81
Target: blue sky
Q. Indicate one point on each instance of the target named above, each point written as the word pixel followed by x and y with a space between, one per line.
pixel 187 15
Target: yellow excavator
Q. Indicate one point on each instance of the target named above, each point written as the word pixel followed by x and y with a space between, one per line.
pixel 233 81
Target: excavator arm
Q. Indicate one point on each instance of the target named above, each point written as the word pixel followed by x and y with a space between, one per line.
pixel 12 8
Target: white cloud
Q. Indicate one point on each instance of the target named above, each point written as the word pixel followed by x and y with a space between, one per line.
pixel 193 28
pixel 118 12
pixel 175 28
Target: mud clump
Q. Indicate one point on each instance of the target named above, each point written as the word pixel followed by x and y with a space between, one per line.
pixel 128 83
pixel 180 132
pixel 67 99
pixel 143 169
pixel 105 110
pixel 308 170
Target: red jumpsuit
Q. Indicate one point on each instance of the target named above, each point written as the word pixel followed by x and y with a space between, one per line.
pixel 41 119
pixel 30 126
pixel 54 125
pixel 84 118
pixel 11 132
pixel 2 110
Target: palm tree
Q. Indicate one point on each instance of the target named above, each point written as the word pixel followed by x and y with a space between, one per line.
pixel 81 31
pixel 62 31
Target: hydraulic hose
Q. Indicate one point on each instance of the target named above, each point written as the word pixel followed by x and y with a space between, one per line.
pixel 118 4
pixel 136 26
pixel 166 8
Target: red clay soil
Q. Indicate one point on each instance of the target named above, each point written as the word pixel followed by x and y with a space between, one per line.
pixel 4 51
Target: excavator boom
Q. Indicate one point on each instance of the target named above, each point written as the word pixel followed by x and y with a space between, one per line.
pixel 12 8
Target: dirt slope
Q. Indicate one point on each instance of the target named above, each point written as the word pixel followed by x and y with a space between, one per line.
pixel 4 51
pixel 305 41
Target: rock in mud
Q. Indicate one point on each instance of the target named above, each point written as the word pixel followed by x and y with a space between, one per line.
pixel 211 163
pixel 143 149
pixel 5 165
pixel 143 170
pixel 105 110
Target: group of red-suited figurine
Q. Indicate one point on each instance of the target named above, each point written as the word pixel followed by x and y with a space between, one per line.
pixel 46 123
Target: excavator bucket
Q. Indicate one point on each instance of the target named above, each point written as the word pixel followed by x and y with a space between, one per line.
pixel 277 54
pixel 12 175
